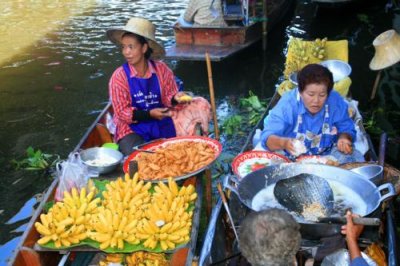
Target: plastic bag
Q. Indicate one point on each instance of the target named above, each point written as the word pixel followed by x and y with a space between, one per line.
pixel 71 173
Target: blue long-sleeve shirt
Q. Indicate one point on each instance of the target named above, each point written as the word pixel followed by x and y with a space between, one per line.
pixel 282 119
pixel 359 261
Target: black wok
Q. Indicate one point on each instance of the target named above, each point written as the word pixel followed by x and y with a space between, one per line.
pixel 372 196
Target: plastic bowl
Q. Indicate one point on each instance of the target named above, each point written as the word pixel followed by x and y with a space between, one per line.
pixel 339 69
pixel 293 77
pixel 110 145
pixel 102 160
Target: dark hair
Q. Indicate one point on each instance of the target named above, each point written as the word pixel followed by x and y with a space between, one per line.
pixel 314 73
pixel 142 40
pixel 269 238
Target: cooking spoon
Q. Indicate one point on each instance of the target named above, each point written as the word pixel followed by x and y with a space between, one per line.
pixel 299 192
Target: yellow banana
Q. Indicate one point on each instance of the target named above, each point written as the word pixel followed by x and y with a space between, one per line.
pixel 173 187
pixel 44 240
pixel 42 229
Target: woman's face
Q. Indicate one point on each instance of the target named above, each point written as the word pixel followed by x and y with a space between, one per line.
pixel 133 50
pixel 314 97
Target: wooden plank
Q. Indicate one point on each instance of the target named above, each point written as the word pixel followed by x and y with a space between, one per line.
pixel 196 52
pixel 214 36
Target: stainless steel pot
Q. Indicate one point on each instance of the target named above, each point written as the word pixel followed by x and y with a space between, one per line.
pixel 247 187
pixel 372 172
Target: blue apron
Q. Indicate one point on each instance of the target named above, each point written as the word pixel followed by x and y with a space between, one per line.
pixel 146 95
pixel 319 143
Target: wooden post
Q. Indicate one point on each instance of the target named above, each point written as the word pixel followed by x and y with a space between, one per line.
pixel 208 175
pixel 212 97
pixel 264 26
pixel 378 77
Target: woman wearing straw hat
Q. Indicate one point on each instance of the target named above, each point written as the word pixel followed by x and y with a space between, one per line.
pixel 142 90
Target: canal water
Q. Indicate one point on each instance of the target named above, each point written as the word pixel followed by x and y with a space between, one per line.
pixel 55 63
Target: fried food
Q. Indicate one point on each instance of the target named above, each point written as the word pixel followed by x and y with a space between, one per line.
pixel 313 211
pixel 175 159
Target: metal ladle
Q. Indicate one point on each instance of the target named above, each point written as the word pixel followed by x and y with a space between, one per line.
pixel 297 192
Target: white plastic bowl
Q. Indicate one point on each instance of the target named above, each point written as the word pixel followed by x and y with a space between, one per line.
pixel 339 69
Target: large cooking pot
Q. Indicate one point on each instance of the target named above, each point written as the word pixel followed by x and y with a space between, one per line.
pixel 370 195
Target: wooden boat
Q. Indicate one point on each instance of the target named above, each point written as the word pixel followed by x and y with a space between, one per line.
pixel 220 247
pixel 28 252
pixel 192 42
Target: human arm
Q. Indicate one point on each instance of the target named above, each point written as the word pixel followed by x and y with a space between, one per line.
pixel 344 143
pixel 352 232
pixel 343 123
pixel 120 96
pixel 168 84
pixel 275 142
pixel 278 124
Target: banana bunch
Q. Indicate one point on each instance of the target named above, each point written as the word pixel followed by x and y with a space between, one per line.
pixel 318 48
pixel 112 259
pixel 112 230
pixel 142 258
pixel 129 195
pixel 68 221
pixel 167 220
pixel 300 56
pixel 123 207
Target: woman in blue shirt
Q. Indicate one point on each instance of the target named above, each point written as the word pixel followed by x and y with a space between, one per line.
pixel 315 115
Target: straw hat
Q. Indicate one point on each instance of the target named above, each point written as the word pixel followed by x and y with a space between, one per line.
pixel 387 50
pixel 142 27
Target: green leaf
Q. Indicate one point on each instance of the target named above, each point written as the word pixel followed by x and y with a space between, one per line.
pixel 30 151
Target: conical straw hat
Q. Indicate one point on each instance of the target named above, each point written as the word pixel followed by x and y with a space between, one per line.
pixel 142 27
pixel 387 50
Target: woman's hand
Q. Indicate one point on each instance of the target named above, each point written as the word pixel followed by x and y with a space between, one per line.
pixel 280 143
pixel 288 145
pixel 344 145
pixel 182 97
pixel 160 113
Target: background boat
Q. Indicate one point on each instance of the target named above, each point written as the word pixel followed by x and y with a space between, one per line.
pixel 192 42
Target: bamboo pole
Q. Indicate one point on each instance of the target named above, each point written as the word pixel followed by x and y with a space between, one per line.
pixel 208 175
pixel 212 97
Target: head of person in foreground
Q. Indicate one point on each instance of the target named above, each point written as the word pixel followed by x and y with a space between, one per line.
pixel 270 237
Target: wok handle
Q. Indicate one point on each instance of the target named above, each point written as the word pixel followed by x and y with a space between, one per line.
pixel 391 191
pixel 229 186
pixel 356 220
